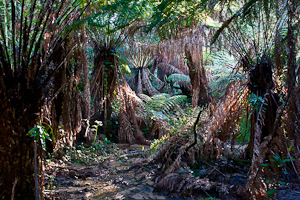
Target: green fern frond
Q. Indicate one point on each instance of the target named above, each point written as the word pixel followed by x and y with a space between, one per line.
pixel 244 129
pixel 180 79
pixel 163 103
pixel 223 61
pixel 172 102
pixel 145 98
pixel 245 9
pixel 219 85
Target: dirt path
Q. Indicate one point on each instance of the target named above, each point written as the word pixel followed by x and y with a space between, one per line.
pixel 124 176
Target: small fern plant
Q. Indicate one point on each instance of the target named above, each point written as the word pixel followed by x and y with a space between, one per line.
pixel 174 109
pixel 161 105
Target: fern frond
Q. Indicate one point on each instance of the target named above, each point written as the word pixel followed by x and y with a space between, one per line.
pixel 219 85
pixel 223 62
pixel 145 98
pixel 162 102
pixel 180 79
pixel 173 101
pixel 246 7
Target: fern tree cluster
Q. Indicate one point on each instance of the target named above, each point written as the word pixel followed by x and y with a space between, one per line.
pixel 255 34
pixel 260 50
pixel 34 55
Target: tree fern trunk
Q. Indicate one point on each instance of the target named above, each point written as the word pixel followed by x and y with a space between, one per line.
pixel 139 86
pixel 198 80
pixel 293 115
pixel 86 90
pixel 17 149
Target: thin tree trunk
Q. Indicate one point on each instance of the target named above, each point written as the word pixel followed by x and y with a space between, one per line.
pixel 139 86
pixel 86 82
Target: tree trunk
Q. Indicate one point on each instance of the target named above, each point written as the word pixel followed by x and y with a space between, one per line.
pixel 18 115
pixel 86 82
pixel 292 107
pixel 198 80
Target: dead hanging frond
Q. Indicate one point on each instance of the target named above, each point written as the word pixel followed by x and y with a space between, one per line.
pixel 260 150
pixel 217 121
pixel 166 152
pixel 125 134
pixel 223 117
pixel 66 115
pixel 104 77
pixel 128 116
pixel 254 187
pixel 156 126
pixel 168 68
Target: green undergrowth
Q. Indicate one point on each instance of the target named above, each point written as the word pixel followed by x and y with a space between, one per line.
pixel 87 155
pixel 157 144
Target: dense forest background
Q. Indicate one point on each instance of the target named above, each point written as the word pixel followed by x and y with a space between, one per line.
pixel 203 82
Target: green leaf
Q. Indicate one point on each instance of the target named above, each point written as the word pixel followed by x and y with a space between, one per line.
pixel 265 165
pixel 270 192
pixel 125 69
pixel 287 160
pixel 277 158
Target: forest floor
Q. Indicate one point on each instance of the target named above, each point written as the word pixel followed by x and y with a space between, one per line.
pixel 124 174
pixel 119 176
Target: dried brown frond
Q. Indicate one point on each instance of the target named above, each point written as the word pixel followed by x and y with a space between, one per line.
pixel 165 153
pixel 168 68
pixel 184 183
pixel 254 187
pixel 221 120
pixel 66 118
pixel 156 126
pixel 223 116
pixel 128 116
